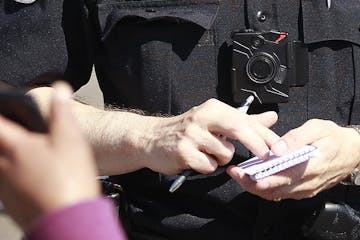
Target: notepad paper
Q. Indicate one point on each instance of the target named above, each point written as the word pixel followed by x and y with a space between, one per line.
pixel 258 169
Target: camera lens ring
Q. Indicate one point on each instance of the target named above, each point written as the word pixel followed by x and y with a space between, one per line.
pixel 261 68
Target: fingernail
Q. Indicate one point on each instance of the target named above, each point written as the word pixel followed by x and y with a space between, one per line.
pixel 280 147
pixel 265 155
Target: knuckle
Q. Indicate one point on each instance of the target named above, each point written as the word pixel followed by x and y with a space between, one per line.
pixel 226 156
pixel 313 121
pixel 240 128
pixel 269 196
pixel 292 134
pixel 211 168
pixel 194 109
pixel 316 122
pixel 212 101
pixel 211 104
pixel 329 125
pixel 294 137
pixel 196 117
pixel 325 124
pixel 320 122
pixel 207 167
pixel 187 130
pixel 229 153
pixel 194 114
pixel 224 160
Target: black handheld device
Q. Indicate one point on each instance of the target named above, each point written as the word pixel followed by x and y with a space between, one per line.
pixel 266 65
pixel 22 109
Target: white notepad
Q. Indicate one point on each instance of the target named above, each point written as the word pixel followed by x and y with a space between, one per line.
pixel 258 169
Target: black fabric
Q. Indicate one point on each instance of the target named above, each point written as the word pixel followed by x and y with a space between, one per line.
pixel 44 41
pixel 167 56
pixel 336 221
pixel 111 12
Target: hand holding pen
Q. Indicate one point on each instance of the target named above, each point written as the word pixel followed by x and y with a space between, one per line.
pixel 181 179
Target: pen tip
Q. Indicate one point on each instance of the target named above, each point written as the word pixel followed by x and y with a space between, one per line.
pixel 173 188
pixel 177 183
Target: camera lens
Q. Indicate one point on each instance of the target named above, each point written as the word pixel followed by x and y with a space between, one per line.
pixel 261 68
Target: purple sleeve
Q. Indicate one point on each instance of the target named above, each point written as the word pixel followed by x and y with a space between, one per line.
pixel 91 220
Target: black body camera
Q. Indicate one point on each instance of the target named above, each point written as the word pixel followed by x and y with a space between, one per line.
pixel 266 65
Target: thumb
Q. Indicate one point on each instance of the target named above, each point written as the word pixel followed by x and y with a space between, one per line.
pixel 61 121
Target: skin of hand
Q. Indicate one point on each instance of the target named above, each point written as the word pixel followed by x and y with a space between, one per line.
pixel 40 173
pixel 339 154
pixel 124 142
pixel 197 138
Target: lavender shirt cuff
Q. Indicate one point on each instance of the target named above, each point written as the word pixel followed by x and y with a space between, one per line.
pixel 90 220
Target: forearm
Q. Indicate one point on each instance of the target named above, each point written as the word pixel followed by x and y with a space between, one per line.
pixel 118 138
pixel 125 142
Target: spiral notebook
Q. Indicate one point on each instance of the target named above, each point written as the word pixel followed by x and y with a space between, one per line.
pixel 258 169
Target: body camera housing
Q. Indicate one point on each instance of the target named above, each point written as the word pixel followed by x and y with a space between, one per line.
pixel 264 65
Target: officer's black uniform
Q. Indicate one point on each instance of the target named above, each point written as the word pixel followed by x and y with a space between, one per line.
pixel 167 56
pixel 43 41
pixel 171 55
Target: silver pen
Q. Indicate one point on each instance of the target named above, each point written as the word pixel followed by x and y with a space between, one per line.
pixel 182 177
pixel 328 3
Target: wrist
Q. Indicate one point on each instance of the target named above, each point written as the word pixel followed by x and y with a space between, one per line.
pixel 120 141
pixel 162 148
pixel 146 141
pixel 136 139
pixel 356 128
pixel 155 140
pixel 354 176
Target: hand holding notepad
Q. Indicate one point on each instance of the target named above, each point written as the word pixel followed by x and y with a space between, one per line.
pixel 258 169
